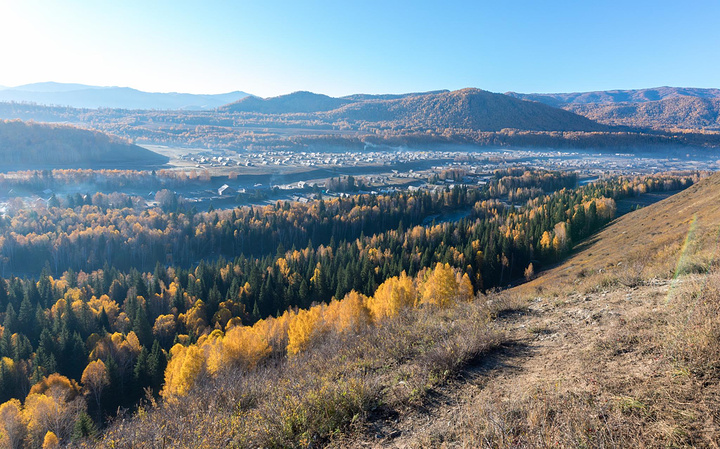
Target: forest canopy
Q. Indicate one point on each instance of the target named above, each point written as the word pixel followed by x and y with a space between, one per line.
pixel 105 302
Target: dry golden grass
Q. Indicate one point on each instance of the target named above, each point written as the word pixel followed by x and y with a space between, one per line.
pixel 649 242
pixel 618 347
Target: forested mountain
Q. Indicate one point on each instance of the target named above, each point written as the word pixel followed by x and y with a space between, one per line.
pixel 363 97
pixel 672 112
pixel 29 144
pixel 294 341
pixel 660 108
pixel 287 104
pixel 84 96
pixel 474 109
pixel 618 96
pixel 467 109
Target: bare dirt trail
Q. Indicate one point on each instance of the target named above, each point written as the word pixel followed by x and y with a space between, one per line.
pixel 562 344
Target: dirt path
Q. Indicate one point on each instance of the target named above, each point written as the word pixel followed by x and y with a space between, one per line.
pixel 562 343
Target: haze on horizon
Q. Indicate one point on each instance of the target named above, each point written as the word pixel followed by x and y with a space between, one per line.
pixel 343 48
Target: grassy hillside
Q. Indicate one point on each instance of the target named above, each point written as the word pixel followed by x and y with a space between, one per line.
pixel 617 347
pixel 676 234
pixel 34 145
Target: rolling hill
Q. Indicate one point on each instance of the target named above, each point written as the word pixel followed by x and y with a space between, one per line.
pixel 672 112
pixel 37 146
pixel 660 108
pixel 467 109
pixel 296 102
pixel 84 96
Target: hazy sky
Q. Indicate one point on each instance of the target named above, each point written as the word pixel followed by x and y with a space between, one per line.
pixel 340 47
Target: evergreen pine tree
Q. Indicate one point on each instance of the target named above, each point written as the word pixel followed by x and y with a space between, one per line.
pixel 10 324
pixel 141 326
pixel 84 428
pixel 3 294
pixel 157 362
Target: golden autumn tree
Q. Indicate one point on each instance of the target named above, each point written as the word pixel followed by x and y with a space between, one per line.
pixel 13 424
pixel 53 405
pixel 164 328
pixel 50 441
pixel 529 272
pixel 392 296
pixel 302 328
pixel 195 318
pixel 440 287
pixel 95 378
pixel 545 240
pixel 186 365
pixel 240 346
pixel 350 314
pixel 465 289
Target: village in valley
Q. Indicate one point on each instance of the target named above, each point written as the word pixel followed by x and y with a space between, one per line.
pixel 224 179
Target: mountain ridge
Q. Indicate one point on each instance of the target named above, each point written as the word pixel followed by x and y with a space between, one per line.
pixel 461 116
pixel 295 102
pixel 618 95
pixel 658 108
pixel 468 108
pixel 94 97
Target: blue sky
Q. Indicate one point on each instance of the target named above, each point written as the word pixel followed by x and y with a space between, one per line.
pixel 341 47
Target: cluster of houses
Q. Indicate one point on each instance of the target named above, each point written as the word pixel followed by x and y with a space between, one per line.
pixel 220 158
pixel 480 161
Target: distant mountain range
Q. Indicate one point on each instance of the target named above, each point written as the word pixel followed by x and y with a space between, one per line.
pixel 656 108
pixel 618 96
pixel 670 113
pixel 465 109
pixel 582 120
pixel 660 107
pixel 84 96
pixel 309 102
